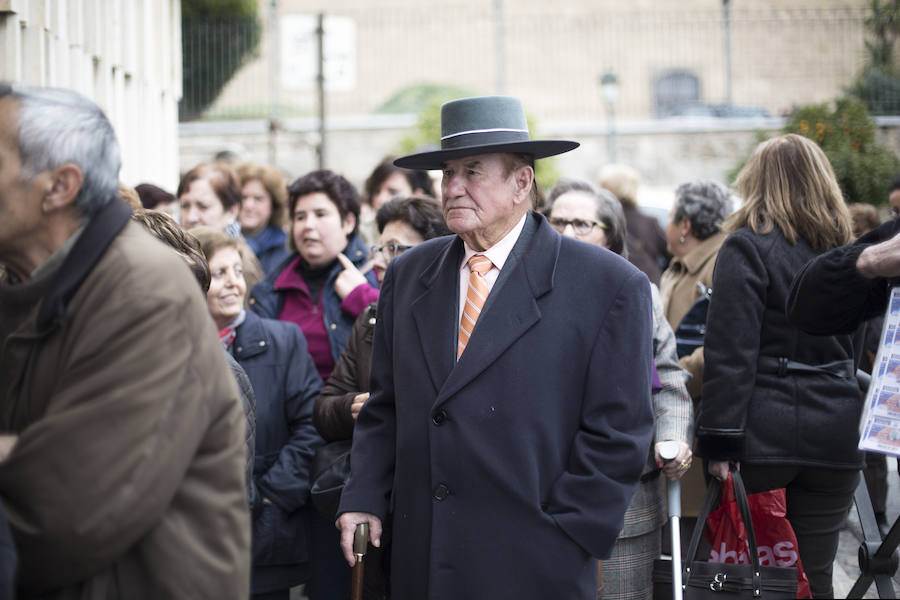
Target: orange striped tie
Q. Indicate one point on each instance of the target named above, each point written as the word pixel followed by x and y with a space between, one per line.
pixel 475 297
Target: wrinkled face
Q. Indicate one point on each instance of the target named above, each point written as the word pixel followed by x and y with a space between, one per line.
pixel 201 206
pixel 256 207
pixel 395 185
pixel 227 286
pixel 319 232
pixel 577 206
pixel 480 201
pixel 20 201
pixel 396 233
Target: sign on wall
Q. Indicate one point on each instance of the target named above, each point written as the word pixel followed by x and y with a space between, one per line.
pixel 299 53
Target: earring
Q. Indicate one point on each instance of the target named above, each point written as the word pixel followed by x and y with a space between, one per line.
pixel 681 239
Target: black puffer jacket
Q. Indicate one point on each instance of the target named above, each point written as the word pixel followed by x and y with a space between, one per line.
pixel 285 383
pixel 750 413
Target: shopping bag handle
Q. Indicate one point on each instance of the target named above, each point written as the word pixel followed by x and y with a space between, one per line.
pixel 713 492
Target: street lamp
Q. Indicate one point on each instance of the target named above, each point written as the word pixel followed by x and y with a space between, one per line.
pixel 609 86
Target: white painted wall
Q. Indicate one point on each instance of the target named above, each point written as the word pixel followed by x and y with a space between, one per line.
pixel 123 54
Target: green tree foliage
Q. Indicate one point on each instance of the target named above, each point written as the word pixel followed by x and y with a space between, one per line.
pixel 427 133
pixel 846 133
pixel 878 84
pixel 217 38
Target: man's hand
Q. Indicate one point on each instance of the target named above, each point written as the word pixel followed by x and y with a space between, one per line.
pixel 880 260
pixel 351 277
pixel 357 404
pixel 678 466
pixel 347 523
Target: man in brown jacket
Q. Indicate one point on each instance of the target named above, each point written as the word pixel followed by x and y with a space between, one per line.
pixel 123 470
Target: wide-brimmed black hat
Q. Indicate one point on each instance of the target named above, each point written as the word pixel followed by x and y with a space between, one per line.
pixel 483 125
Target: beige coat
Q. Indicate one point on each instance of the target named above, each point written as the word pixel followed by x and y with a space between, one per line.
pixel 128 477
pixel 678 287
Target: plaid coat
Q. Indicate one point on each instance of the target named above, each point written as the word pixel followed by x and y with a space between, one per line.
pixel 673 420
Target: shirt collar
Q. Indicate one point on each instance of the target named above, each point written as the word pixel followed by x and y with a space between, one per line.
pixel 499 252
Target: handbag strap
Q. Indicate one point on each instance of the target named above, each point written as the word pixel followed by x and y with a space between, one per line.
pixel 743 504
pixel 712 498
pixel 740 494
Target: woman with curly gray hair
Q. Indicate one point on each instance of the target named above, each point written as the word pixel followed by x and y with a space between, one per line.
pixel 693 237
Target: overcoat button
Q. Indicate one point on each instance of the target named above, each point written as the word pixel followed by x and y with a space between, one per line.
pixel 439 417
pixel 441 492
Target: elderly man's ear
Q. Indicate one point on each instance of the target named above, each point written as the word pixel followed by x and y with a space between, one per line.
pixel 62 187
pixel 524 178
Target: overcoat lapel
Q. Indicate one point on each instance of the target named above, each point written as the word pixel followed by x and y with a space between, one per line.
pixel 514 310
pixel 434 312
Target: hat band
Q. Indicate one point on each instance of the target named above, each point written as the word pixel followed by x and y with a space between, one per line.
pixel 482 137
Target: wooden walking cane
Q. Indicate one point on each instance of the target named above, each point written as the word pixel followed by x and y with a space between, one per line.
pixel 360 543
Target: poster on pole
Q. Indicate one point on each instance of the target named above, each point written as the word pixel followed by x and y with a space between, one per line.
pixel 300 52
pixel 880 426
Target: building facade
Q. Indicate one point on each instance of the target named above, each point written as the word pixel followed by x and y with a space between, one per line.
pixel 125 55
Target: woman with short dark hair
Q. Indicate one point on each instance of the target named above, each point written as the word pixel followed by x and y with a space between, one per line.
pixel 320 285
pixel 403 223
pixel 388 181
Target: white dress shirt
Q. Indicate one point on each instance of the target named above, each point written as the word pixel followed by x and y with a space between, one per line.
pixel 497 254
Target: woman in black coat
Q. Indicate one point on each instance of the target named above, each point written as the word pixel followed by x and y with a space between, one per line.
pixel 781 405
pixel 285 383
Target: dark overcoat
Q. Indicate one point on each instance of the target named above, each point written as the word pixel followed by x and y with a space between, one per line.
pixel 508 471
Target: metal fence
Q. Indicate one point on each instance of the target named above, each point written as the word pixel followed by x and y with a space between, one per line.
pixel 665 62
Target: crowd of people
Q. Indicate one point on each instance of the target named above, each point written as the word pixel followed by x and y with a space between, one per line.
pixel 499 367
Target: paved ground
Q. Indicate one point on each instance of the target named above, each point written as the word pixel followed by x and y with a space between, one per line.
pixel 846 566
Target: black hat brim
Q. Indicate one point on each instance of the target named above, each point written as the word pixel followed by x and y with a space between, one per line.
pixel 430 161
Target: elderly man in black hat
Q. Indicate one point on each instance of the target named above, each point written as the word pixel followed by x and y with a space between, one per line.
pixel 510 410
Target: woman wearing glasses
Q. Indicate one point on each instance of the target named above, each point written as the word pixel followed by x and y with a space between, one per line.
pixel 579 210
pixel 403 223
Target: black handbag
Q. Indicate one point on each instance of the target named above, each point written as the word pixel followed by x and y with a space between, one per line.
pixel 690 331
pixel 706 580
pixel 331 469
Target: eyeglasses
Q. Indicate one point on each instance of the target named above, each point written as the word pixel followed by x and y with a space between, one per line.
pixel 390 251
pixel 579 226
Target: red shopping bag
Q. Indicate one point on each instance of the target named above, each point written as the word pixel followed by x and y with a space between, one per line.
pixel 775 539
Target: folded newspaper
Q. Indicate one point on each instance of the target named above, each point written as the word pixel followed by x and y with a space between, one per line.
pixel 880 425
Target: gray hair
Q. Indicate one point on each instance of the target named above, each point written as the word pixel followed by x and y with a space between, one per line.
pixel 608 210
pixel 58 126
pixel 705 204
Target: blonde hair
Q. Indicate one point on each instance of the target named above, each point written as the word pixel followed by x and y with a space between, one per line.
pixel 788 183
pixel 622 181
